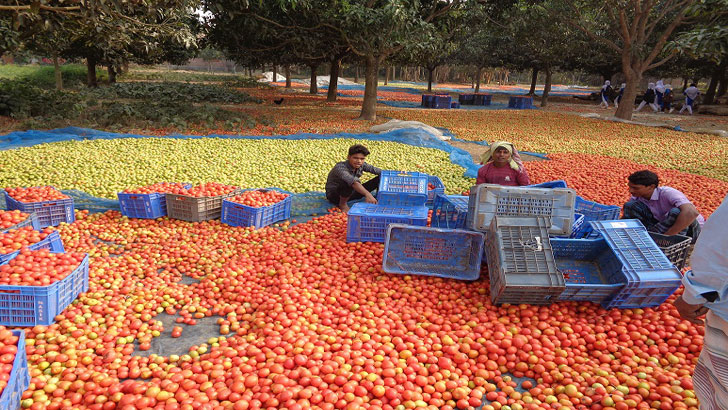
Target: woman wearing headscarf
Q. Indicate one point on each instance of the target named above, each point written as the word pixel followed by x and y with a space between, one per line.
pixel 659 94
pixel 648 98
pixel 618 99
pixel 691 94
pixel 605 93
pixel 502 166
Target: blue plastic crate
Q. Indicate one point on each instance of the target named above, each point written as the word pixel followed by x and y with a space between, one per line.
pixel 550 184
pixel 454 104
pixel 48 213
pixel 432 193
pixel 402 188
pixel 369 222
pixel 19 377
pixel 482 99
pixel 31 220
pixel 441 101
pixel 449 211
pixel 649 275
pixel 447 253
pixel 52 242
pixel 39 305
pixel 588 266
pixel 520 102
pixel 575 226
pixel 235 214
pixel 466 99
pixel 427 100
pixel 594 211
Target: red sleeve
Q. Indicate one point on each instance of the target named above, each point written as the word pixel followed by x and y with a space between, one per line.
pixel 523 178
pixel 481 175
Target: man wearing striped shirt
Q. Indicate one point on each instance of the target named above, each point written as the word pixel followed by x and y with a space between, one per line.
pixel 343 183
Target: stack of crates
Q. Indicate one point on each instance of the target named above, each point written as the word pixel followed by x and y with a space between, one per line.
pixel 436 101
pixel 449 211
pixel 401 198
pixel 475 99
pixel 520 102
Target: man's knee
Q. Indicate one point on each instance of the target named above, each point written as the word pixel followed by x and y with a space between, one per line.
pixel 630 209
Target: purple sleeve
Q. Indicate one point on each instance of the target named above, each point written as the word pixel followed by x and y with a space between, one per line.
pixel 674 197
pixel 523 178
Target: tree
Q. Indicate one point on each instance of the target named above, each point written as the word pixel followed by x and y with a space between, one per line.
pixel 637 30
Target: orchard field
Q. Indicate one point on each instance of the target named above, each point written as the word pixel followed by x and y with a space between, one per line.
pixel 299 318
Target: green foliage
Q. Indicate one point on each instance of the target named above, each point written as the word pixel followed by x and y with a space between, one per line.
pixel 43 76
pixel 172 91
pixel 189 77
pixel 19 99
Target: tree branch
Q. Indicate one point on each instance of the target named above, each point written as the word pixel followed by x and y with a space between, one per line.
pixel 65 9
pixel 663 61
pixel 665 35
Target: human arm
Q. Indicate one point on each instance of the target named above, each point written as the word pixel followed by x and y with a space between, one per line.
pixel 481 175
pixel 371 169
pixel 688 213
pixel 368 197
pixel 690 312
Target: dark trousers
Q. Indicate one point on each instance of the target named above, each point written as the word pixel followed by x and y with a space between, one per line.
pixel 347 191
pixel 637 210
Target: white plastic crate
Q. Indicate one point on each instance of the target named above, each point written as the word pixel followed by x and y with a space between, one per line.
pixel 489 200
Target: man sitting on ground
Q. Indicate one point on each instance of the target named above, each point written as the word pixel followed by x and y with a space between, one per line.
pixel 343 183
pixel 661 209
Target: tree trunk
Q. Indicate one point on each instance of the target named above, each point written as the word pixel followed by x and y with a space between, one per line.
pixel 429 79
pixel 386 75
pixel 58 73
pixel 91 72
pixel 333 80
pixel 477 79
pixel 394 73
pixel 722 87
pixel 369 106
pixel 718 74
pixel 356 74
pixel 288 76
pixel 685 84
pixel 546 87
pixel 534 79
pixel 632 80
pixel 112 73
pixel 313 89
pixel 275 74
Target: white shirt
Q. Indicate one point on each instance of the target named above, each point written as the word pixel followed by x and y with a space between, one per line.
pixel 692 92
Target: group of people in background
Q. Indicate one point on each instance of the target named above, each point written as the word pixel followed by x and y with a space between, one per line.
pixel 659 97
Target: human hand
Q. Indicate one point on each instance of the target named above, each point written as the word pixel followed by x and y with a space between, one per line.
pixel 370 199
pixel 690 312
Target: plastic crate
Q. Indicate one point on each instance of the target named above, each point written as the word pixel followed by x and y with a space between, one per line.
pixel 235 214
pixel 19 377
pixel 196 208
pixel 144 206
pixel 432 193
pixel 449 211
pixel 427 100
pixel 454 104
pixel 649 275
pixel 52 242
pixel 588 267
pixel 369 222
pixel 441 101
pixel 48 213
pixel 466 99
pixel 520 102
pixel 594 211
pixel 482 99
pixel 402 188
pixel 39 305
pixel 447 253
pixel 31 220
pixel 489 200
pixel 675 247
pixel 550 184
pixel 521 263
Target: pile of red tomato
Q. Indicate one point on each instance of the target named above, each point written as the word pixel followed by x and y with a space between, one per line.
pixel 160 187
pixel 8 350
pixel 208 189
pixel 39 268
pixel 11 218
pixel 15 239
pixel 259 198
pixel 36 194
